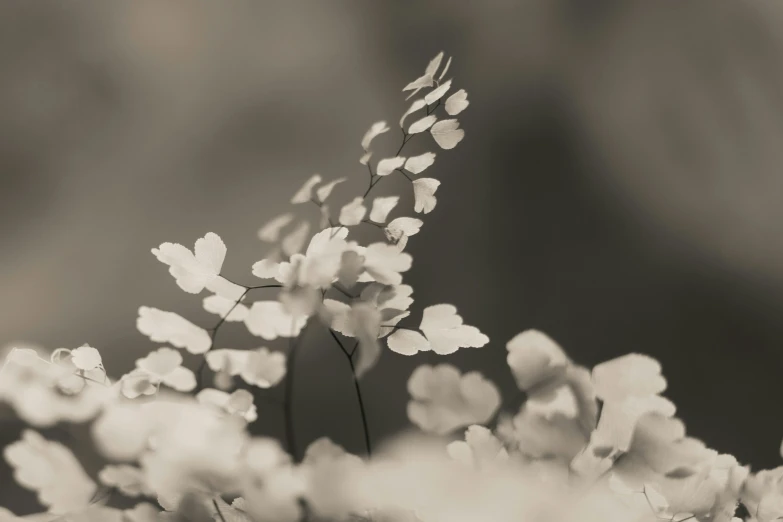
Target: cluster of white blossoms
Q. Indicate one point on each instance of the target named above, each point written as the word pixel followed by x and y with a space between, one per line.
pixel 586 445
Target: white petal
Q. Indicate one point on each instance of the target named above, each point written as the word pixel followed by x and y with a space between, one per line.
pixel 534 357
pixel 381 208
pixel 447 133
pixel 423 124
pixel 417 164
pixel 387 165
pixel 129 480
pixel 270 232
pixel 432 67
pixel 227 361
pixel 305 194
pixel 424 194
pixel 457 102
pixel 339 316
pixel 407 342
pixel 353 213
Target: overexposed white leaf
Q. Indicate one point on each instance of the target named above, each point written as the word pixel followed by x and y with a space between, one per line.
pixel 225 288
pixel 168 327
pixel 269 320
pixel 445 69
pixel 375 129
pixel 86 358
pixel 407 342
pixel 193 270
pixel 447 133
pixel 457 102
pixel 402 226
pixel 445 331
pixel 534 357
pixel 264 368
pixel 305 193
pixel 352 213
pixel 437 93
pixel 324 191
pixel 387 165
pixel 424 194
pixel 266 269
pixel 423 124
pixel 385 263
pixel 417 164
pixel 415 106
pixel 270 232
pixel 443 399
pixel 381 207
pixel 51 470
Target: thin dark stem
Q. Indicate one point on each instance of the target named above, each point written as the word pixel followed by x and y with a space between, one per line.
pixel 363 413
pixel 405 139
pixel 288 403
pixel 343 291
pixel 217 508
pixel 264 286
pixel 405 174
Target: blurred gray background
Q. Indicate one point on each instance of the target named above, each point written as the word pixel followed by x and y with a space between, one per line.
pixel 618 187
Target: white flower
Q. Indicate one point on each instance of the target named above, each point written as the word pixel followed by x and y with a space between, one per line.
pixel 444 400
pixel 193 271
pixel 534 358
pixel 168 327
pixel 305 193
pixel 447 133
pixel 239 403
pixel 230 310
pixel 457 102
pixel 443 330
pixel 388 165
pixel 353 213
pixel 417 164
pixel 424 194
pixel 129 480
pixel 269 320
pixel 51 470
pixel 480 448
pixel 163 366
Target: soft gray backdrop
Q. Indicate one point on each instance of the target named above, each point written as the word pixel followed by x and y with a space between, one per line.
pixel 618 187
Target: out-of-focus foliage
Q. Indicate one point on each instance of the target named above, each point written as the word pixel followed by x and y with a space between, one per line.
pixel 586 445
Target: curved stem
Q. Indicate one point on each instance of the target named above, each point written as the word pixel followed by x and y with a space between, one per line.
pixel 362 412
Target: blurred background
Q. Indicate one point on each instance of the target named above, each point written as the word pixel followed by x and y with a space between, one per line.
pixel 618 186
